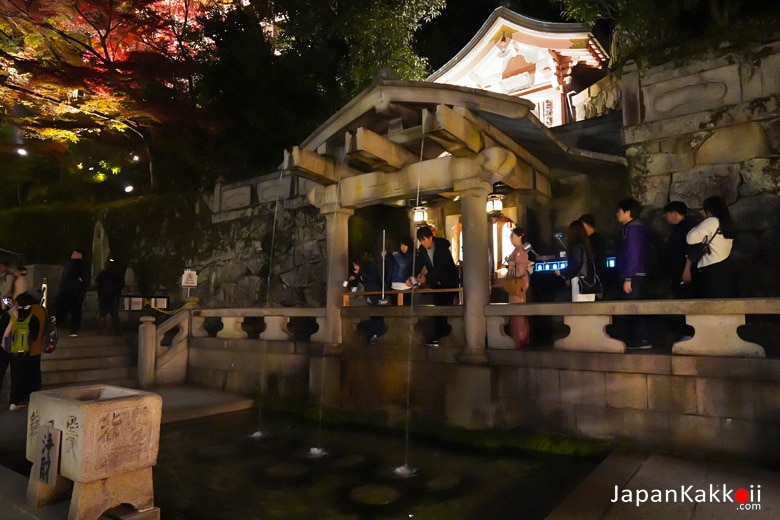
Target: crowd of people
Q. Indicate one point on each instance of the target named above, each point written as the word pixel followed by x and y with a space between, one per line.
pixel 23 318
pixel 431 266
pixel 696 259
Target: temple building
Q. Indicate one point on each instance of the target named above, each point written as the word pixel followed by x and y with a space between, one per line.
pixel 543 62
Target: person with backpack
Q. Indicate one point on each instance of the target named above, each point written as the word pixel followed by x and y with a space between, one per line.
pixel 22 342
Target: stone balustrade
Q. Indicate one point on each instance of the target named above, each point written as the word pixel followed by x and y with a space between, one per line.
pixel 714 321
pixel 159 363
pixel 715 324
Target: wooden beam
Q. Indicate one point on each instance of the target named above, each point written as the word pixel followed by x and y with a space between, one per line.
pixel 455 133
pixel 313 166
pixel 377 152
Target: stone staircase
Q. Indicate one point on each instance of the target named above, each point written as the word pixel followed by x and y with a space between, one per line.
pixel 91 359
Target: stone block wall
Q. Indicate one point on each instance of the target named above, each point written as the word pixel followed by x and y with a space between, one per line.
pixel 697 406
pixel 273 368
pixel 700 406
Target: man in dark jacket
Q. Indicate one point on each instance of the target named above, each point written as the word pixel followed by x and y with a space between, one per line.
pixel 676 215
pixel 631 268
pixel 73 289
pixel 440 273
pixel 110 282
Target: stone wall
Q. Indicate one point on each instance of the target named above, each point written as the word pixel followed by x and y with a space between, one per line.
pixel 701 406
pixel 237 263
pixel 707 126
pixel 273 235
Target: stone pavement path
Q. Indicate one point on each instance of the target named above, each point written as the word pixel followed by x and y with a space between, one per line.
pixel 651 487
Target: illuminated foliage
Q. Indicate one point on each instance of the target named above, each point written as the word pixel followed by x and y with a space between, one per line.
pixel 205 87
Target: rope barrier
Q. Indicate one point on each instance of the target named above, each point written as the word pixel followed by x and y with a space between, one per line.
pixel 148 302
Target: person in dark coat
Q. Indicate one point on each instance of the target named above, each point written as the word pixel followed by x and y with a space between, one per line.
pixel 110 282
pixel 367 274
pixel 631 269
pixel 676 215
pixel 73 289
pixel 435 257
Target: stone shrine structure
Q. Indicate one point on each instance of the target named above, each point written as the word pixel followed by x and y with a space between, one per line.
pixel 679 131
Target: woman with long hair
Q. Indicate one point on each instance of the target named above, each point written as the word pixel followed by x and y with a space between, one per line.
pixel 517 286
pixel 718 275
pixel 579 256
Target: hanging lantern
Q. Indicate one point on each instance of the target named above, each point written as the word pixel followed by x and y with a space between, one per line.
pixel 420 214
pixel 495 203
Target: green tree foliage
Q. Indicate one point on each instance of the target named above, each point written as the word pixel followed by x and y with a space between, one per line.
pixel 278 70
pixel 642 27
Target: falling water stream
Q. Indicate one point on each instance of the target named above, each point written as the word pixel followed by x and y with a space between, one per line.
pixel 407 471
pixel 258 434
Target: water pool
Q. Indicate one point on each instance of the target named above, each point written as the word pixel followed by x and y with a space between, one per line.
pixel 213 468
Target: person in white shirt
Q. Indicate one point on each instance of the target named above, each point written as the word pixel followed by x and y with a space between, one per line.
pixel 718 273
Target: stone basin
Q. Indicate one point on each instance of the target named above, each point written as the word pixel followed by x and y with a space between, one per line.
pixel 106 430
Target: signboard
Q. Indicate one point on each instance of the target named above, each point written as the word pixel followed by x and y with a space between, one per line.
pixel 189 278
pixel 46 464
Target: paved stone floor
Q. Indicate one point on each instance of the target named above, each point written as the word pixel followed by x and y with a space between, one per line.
pixel 651 487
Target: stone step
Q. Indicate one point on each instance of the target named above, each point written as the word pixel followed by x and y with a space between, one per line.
pixel 86 376
pixel 87 363
pixel 92 340
pixel 127 382
pixel 81 351
pixel 91 359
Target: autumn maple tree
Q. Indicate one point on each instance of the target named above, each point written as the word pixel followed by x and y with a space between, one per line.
pixel 207 87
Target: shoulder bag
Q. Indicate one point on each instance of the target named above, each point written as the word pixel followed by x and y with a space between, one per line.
pixel 696 251
pixel 590 284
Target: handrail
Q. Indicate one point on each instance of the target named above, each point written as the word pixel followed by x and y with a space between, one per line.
pixel 400 294
pixel 173 321
pixel 623 307
pixel 319 312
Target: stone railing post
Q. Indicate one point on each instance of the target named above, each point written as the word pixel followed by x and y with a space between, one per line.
pixel 275 328
pixel 147 351
pixel 231 328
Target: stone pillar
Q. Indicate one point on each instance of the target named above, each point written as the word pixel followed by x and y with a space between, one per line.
pixel 336 235
pixel 147 351
pixel 476 280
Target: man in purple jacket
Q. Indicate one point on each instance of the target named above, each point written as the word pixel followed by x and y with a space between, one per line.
pixel 631 268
